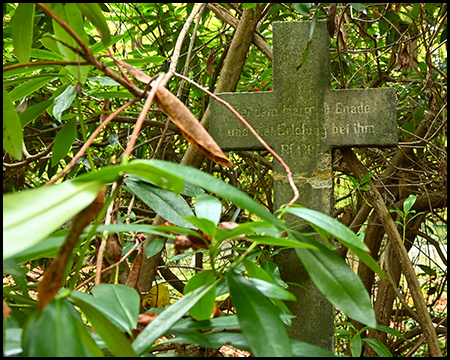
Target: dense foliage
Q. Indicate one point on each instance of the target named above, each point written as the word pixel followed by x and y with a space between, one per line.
pixel 105 197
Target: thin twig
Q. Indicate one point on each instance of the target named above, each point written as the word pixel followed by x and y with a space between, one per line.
pixel 102 247
pixel 260 139
pixel 142 116
pixel 173 66
pixel 176 51
pixel 111 266
pixel 42 63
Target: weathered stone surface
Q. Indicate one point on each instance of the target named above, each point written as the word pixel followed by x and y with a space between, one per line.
pixel 302 119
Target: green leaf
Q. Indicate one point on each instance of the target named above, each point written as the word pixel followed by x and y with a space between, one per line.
pixel 119 303
pixel 223 322
pixel 104 81
pixel 255 271
pixel 167 318
pixel 259 319
pixel 142 168
pixel 32 215
pixel 170 206
pixel 29 87
pixel 205 225
pixel 47 248
pixel 34 111
pixel 55 331
pixel 63 101
pixel 112 94
pixel 366 178
pixel 71 15
pixel 273 241
pixel 337 281
pixel 340 232
pixel 95 15
pixel 42 54
pixel 303 8
pixel 64 140
pixel 271 290
pixel 390 330
pixel 358 6
pixel 12 268
pixel 117 343
pixel 208 207
pixel 12 129
pixel 154 247
pixel 303 349
pixel 427 270
pixel 356 345
pixel 22 31
pixel 378 346
pixel 219 187
pixel 409 203
pixel 148 229
pixel 210 340
pixel 383 26
pixel 203 309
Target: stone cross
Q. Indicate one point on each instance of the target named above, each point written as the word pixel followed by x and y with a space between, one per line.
pixel 302 119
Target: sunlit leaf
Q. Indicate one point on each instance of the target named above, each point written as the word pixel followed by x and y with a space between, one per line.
pixel 208 207
pixel 22 30
pixel 95 15
pixel 12 129
pixel 117 343
pixel 30 216
pixel 203 309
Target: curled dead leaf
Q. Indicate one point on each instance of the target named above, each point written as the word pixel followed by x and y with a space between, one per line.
pixel 181 116
pixel 143 321
pixel 190 127
pixel 6 310
pixel 184 242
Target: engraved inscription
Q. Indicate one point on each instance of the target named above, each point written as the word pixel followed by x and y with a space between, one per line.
pixel 295 121
pixel 340 108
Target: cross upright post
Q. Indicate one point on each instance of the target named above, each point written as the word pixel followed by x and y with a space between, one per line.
pixel 302 119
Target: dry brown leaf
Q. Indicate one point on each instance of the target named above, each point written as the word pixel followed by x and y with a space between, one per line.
pixel 6 310
pixel 133 277
pixel 184 242
pixel 190 127
pixel 210 63
pixel 54 274
pixel 181 116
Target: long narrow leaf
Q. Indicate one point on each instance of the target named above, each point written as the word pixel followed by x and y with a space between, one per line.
pixel 117 343
pixel 12 130
pixel 340 232
pixel 55 332
pixel 22 30
pixel 30 216
pixel 93 12
pixel 337 281
pixel 219 187
pixel 170 206
pixel 259 319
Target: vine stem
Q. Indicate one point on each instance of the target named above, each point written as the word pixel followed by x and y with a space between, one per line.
pixel 260 139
